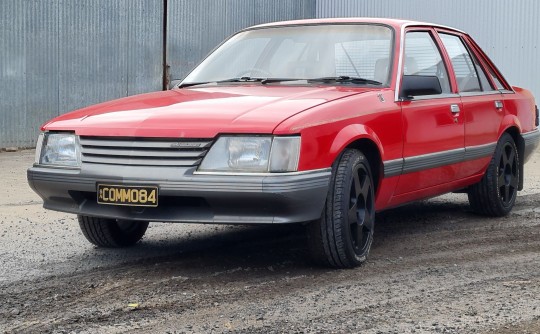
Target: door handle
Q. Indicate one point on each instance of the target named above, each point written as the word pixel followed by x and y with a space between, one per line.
pixel 454 108
pixel 498 105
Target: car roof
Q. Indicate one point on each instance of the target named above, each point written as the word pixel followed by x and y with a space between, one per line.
pixel 395 23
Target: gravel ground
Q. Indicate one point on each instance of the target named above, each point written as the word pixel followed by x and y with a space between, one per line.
pixel 435 267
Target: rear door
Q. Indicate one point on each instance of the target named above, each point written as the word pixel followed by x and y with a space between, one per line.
pixel 483 103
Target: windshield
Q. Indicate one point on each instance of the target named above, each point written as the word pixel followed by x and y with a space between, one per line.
pixel 358 51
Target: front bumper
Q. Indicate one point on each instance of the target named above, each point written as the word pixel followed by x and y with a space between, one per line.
pixel 185 196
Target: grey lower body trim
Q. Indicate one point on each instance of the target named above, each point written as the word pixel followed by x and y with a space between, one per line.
pixel 532 140
pixel 532 137
pixel 438 159
pixel 185 197
pixel 393 167
pixel 480 151
pixel 434 160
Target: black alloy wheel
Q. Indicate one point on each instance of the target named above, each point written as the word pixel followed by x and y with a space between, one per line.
pixel 342 237
pixel 508 174
pixel 495 195
pixel 361 210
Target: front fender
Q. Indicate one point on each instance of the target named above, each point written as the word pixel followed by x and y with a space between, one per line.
pixel 352 133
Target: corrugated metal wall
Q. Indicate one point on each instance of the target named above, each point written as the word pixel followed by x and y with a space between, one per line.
pixel 194 28
pixel 506 30
pixel 60 55
pixel 56 56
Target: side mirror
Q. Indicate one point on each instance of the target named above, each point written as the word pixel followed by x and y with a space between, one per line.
pixel 415 85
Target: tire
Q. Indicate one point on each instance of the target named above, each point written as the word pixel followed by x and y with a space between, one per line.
pixel 342 237
pixel 496 193
pixel 111 233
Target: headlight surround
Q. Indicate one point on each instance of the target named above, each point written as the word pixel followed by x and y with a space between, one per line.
pixel 285 154
pixel 252 154
pixel 58 149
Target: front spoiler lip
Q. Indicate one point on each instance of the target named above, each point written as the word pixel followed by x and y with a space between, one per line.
pixel 232 199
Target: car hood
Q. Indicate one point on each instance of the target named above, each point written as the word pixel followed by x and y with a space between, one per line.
pixel 200 112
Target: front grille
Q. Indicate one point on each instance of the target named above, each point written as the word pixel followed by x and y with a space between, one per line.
pixel 143 151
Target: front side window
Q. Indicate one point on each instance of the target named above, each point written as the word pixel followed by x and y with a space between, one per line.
pixel 469 74
pixel 423 58
pixel 302 52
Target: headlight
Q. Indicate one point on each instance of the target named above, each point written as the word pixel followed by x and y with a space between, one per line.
pixel 58 149
pixel 252 154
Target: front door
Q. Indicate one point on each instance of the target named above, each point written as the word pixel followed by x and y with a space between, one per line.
pixel 433 124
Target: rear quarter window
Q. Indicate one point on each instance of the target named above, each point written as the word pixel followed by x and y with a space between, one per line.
pixel 469 74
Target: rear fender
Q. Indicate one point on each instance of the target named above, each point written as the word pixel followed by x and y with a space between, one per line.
pixel 509 121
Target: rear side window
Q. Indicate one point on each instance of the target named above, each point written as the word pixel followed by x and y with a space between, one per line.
pixel 469 74
pixel 422 57
pixel 496 80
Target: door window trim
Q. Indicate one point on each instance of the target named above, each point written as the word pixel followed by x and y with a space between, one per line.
pixel 444 58
pixel 488 65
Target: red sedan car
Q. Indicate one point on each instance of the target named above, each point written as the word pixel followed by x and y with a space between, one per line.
pixel 321 122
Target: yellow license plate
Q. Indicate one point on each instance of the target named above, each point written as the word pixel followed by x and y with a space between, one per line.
pixel 127 195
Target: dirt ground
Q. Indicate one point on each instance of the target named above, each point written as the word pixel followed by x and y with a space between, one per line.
pixel 435 267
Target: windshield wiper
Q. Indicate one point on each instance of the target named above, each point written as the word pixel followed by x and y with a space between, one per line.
pixel 240 79
pixel 272 80
pixel 347 79
pixel 263 81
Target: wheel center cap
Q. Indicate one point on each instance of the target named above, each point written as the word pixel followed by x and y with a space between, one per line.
pixel 361 211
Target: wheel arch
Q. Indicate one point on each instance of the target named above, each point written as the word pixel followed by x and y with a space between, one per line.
pixel 363 138
pixel 514 131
